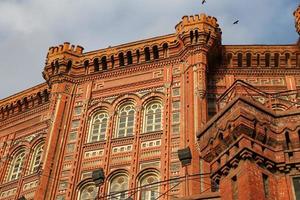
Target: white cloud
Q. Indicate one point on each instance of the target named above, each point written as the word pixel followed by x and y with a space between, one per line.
pixel 29 27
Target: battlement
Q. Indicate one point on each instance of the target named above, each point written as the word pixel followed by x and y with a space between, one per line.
pixel 66 47
pixel 189 21
pixel 297 19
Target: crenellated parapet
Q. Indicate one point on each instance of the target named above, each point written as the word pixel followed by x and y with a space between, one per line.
pixel 297 19
pixel 199 29
pixel 24 101
pixel 60 59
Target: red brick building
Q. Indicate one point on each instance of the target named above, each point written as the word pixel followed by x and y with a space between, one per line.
pixel 128 109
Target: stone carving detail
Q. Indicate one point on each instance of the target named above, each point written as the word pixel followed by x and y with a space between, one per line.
pixel 277 81
pixel 158 74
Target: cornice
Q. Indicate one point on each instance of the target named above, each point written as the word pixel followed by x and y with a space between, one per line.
pixel 22 117
pixel 256 71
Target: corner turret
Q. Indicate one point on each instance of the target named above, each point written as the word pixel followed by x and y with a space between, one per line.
pixel 200 30
pixel 60 59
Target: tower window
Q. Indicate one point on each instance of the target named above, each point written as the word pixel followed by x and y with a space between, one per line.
pixel 196 35
pixel 229 59
pixel 276 60
pixel 267 60
pixel 191 36
pixel 121 59
pixel 129 58
pixel 86 65
pixel 104 63
pixel 69 66
pixel 287 60
pixel 96 64
pixel 147 54
pixel 248 59
pixel 138 55
pixel 155 52
pixel 165 50
pixel 240 60
pixel 112 60
pixel 258 60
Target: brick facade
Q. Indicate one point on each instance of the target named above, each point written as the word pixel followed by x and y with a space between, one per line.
pixel 129 108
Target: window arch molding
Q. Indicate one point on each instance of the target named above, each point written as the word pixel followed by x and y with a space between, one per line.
pixel 146 177
pixel 98 125
pixel 125 120
pixel 118 181
pixel 17 163
pixel 87 190
pixel 152 115
pixel 36 157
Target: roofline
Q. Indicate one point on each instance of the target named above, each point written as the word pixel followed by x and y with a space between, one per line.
pixel 258 106
pixel 22 92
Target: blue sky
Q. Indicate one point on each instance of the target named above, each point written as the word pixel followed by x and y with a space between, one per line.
pixel 29 27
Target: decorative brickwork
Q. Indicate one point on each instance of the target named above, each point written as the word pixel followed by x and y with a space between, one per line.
pixel 128 109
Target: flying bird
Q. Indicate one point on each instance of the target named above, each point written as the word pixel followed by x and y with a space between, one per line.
pixel 203 1
pixel 236 22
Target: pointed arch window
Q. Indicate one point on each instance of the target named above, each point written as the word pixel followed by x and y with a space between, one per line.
pixel 36 159
pixel 88 192
pixel 118 187
pixel 153 117
pixel 150 192
pixel 16 166
pixel 125 121
pixel 98 127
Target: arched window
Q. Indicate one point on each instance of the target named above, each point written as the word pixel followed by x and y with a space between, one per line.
pixel 69 66
pixel 276 60
pixel 125 121
pixel 16 166
pixel 129 57
pixel 104 63
pixel 138 55
pixel 86 66
pixel 112 60
pixel 258 60
pixel 153 117
pixel 165 50
pixel 118 187
pixel 56 66
pixel 96 64
pixel 248 59
pixel 36 159
pixel 88 192
pixel 155 52
pixel 287 60
pixel 240 60
pixel 98 127
pixel 196 35
pixel 191 36
pixel 229 59
pixel 121 59
pixel 52 68
pixel 150 192
pixel 267 60
pixel 147 53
